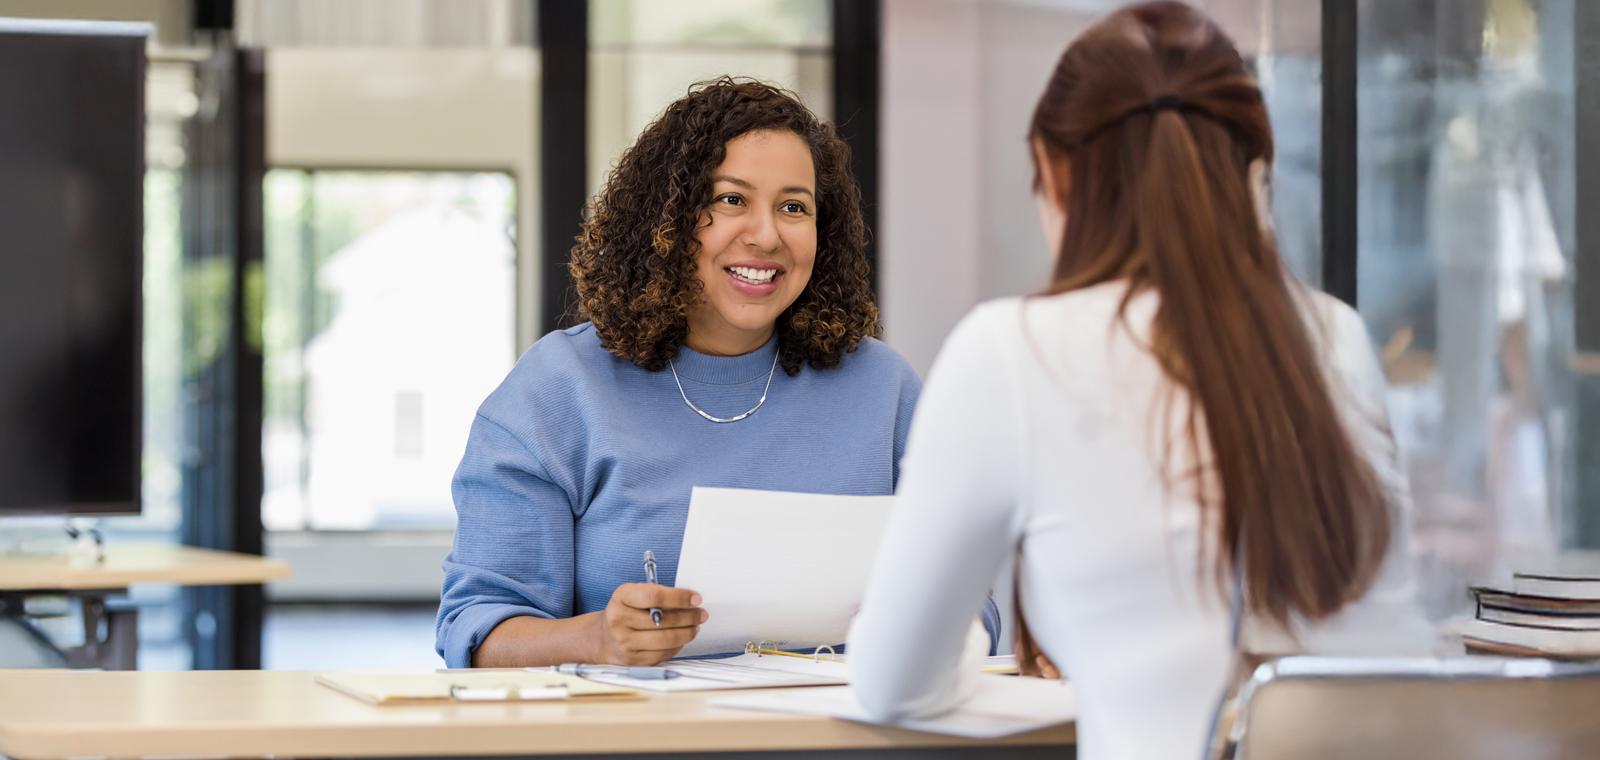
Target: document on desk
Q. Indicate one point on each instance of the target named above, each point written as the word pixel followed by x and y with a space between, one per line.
pixel 1001 706
pixel 745 671
pixel 783 568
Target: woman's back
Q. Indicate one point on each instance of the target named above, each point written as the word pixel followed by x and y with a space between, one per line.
pixel 1043 426
pixel 1174 420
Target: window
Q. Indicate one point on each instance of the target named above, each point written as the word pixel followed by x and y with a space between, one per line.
pixel 1466 178
pixel 390 315
pixel 644 55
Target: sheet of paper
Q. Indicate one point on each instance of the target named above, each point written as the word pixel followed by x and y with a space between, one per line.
pixel 746 671
pixel 786 568
pixel 1001 706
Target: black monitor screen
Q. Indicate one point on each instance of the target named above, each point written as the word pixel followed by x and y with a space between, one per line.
pixel 71 228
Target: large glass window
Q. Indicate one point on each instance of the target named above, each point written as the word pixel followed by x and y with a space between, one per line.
pixel 1466 204
pixel 645 54
pixel 1284 39
pixel 390 315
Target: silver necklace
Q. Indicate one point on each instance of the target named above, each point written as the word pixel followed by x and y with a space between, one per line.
pixel 703 413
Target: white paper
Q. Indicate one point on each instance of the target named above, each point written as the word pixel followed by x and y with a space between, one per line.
pixel 746 671
pixel 785 568
pixel 1001 706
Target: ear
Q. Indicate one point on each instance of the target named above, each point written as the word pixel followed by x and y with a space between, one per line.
pixel 1055 175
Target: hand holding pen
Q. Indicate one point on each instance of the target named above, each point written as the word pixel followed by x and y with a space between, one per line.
pixel 650 578
pixel 646 623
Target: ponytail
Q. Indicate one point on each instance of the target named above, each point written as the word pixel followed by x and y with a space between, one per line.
pixel 1291 494
pixel 1159 123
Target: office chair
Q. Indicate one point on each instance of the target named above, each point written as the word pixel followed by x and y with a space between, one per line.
pixel 1309 708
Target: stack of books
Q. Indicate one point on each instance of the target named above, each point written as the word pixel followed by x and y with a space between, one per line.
pixel 1550 615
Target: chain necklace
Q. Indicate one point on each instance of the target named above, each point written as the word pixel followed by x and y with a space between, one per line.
pixel 736 418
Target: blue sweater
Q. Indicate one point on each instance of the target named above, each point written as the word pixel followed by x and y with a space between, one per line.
pixel 580 461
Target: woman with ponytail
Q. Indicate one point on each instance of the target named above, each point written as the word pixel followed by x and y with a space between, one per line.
pixel 1175 437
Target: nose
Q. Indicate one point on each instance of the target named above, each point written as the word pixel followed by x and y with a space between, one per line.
pixel 762 232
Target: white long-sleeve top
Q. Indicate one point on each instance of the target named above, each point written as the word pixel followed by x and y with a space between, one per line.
pixel 1039 436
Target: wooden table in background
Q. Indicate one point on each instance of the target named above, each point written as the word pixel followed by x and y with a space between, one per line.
pixel 125 565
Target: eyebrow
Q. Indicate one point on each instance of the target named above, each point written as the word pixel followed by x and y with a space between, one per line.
pixel 748 186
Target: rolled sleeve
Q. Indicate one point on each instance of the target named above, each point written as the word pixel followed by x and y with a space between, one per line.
pixel 513 552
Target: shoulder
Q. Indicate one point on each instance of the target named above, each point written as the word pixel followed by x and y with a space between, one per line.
pixel 558 347
pixel 1350 357
pixel 559 370
pixel 1336 328
pixel 1330 319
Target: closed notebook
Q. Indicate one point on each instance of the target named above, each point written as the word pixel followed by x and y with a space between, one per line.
pixel 513 684
pixel 1541 605
pixel 1575 586
pixel 1553 642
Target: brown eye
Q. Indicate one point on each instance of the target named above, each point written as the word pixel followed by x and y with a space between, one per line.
pixel 729 199
pixel 794 207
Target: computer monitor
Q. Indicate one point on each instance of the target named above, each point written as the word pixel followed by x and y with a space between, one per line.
pixel 71 259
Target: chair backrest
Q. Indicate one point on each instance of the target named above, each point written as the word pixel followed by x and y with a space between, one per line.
pixel 1309 708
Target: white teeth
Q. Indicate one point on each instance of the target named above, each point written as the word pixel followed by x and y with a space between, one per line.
pixel 751 274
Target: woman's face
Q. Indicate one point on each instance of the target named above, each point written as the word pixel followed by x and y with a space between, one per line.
pixel 758 241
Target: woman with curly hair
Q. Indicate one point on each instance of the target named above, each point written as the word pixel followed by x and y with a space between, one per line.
pixel 729 342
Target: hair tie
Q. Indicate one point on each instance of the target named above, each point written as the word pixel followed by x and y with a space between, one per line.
pixel 1169 101
pixel 1166 102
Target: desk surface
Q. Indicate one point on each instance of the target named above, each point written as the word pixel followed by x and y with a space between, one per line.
pixel 128 564
pixel 55 714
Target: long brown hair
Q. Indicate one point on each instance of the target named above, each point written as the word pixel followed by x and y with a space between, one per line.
pixel 1159 122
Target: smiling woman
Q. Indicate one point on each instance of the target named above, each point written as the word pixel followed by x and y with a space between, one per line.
pixel 760 183
pixel 727 243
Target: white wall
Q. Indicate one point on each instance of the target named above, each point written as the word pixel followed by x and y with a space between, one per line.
pixel 958 223
pixel 930 197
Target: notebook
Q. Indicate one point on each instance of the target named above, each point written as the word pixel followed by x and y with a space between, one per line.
pixel 1001 706
pixel 1574 586
pixel 1493 598
pixel 1552 642
pixel 469 685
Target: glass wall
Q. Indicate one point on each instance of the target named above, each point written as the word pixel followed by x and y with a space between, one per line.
pixel 389 317
pixel 1466 243
pixel 1284 39
pixel 644 54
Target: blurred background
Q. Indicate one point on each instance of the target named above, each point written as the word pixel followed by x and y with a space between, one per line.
pixel 357 214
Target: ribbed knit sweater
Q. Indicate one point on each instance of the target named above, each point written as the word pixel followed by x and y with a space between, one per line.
pixel 580 461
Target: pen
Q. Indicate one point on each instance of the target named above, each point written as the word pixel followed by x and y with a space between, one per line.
pixel 638 671
pixel 650 577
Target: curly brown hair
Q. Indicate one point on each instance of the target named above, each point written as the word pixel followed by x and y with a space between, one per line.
pixel 634 262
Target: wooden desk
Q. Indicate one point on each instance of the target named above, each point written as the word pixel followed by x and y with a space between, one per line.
pixel 124 566
pixel 60 714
